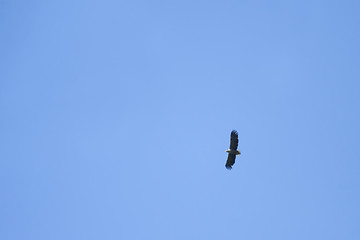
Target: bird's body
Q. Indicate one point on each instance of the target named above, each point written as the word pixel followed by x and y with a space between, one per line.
pixel 232 151
pixel 236 152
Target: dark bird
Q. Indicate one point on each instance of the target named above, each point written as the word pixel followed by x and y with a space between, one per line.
pixel 232 150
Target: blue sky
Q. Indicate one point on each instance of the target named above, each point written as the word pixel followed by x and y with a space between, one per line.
pixel 115 118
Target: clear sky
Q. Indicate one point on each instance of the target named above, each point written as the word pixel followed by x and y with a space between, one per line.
pixel 115 117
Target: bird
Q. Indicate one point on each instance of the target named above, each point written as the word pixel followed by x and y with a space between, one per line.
pixel 232 151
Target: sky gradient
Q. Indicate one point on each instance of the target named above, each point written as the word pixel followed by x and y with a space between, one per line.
pixel 115 118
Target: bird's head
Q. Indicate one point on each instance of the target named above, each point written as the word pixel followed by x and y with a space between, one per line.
pixel 228 150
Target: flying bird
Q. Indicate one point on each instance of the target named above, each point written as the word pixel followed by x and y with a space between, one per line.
pixel 232 150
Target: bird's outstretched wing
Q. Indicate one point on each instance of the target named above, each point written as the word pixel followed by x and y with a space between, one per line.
pixel 230 161
pixel 234 140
